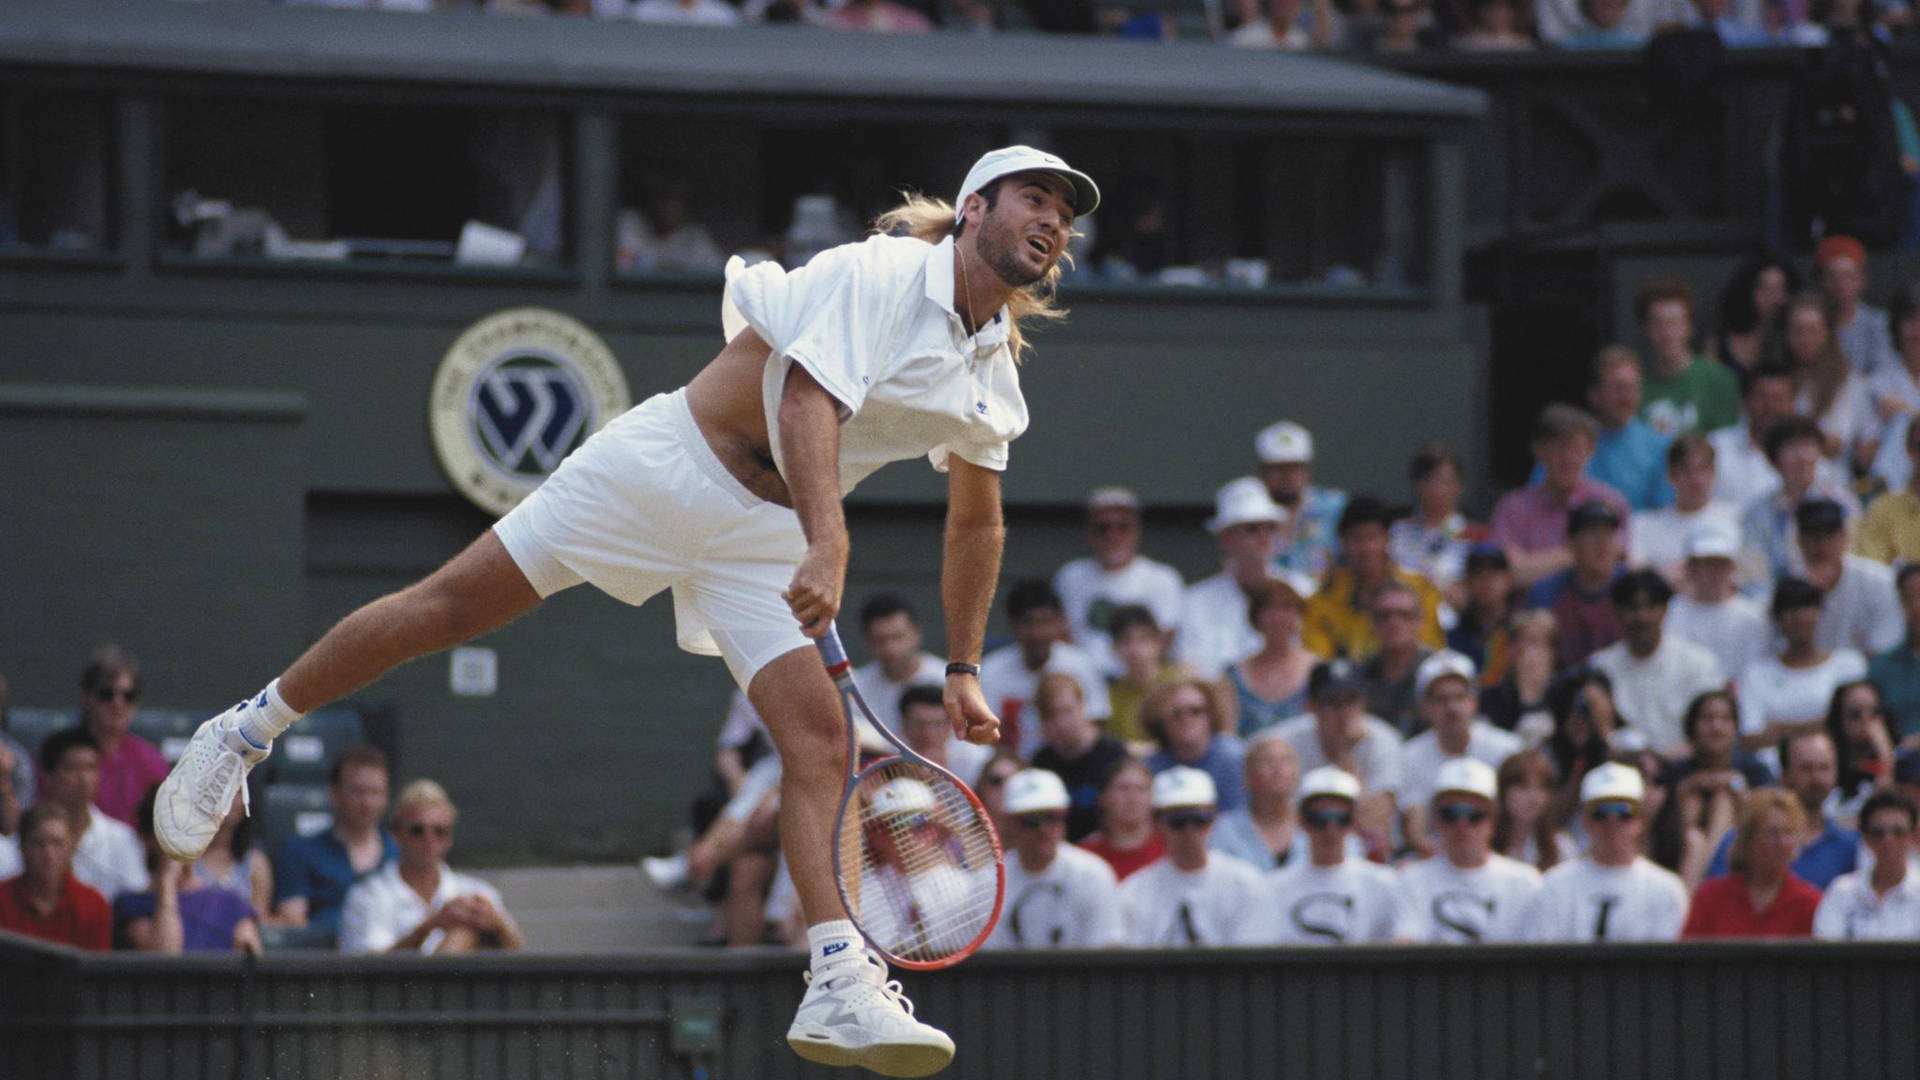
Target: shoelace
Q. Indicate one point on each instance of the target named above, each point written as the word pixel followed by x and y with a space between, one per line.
pixel 207 797
pixel 889 989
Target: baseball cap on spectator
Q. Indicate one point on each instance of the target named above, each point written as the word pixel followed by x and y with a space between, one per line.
pixel 902 795
pixel 1840 247
pixel 1487 556
pixel 1819 517
pixel 1181 786
pixel 1113 498
pixel 1466 776
pixel 1628 740
pixel 1334 677
pixel 1008 160
pixel 1592 514
pixel 1328 781
pixel 1440 665
pixel 1034 789
pixel 1906 767
pixel 1243 502
pixel 1613 782
pixel 1284 443
pixel 1710 538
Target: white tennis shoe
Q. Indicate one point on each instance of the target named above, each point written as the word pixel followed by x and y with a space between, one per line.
pixel 857 1016
pixel 196 795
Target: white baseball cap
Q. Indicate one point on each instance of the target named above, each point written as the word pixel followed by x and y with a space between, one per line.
pixel 1466 776
pixel 902 795
pixel 1613 781
pixel 1328 780
pixel 1711 538
pixel 1244 501
pixel 1438 666
pixel 1182 786
pixel 1284 443
pixel 1034 789
pixel 1008 160
pixel 1113 498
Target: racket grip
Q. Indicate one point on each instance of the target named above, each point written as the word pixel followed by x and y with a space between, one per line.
pixel 832 653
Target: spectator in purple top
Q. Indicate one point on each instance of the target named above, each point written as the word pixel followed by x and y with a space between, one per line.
pixel 130 766
pixel 180 914
pixel 1579 595
pixel 1531 523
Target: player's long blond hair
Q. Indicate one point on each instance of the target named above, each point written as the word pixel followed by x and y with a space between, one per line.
pixel 932 220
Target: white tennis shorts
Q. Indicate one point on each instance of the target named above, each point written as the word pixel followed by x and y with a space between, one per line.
pixel 644 505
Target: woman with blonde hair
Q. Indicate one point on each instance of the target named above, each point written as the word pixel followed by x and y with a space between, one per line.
pixel 1762 897
pixel 418 903
pixel 1186 718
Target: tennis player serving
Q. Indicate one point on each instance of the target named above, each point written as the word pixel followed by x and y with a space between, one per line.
pixel 728 491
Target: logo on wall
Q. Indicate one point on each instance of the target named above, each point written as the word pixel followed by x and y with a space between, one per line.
pixel 514 396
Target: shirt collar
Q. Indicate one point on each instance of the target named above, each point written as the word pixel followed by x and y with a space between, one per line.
pixel 940 290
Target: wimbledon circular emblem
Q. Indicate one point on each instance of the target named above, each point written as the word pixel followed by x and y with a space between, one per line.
pixel 513 397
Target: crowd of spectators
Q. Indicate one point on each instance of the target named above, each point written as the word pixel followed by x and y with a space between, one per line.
pixel 79 864
pixel 1671 687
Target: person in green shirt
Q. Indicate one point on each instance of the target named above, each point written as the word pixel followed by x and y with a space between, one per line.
pixel 1682 391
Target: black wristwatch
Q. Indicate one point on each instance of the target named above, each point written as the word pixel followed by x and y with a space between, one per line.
pixel 960 668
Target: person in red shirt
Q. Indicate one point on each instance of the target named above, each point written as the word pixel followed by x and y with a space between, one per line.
pixel 45 901
pixel 1761 897
pixel 1126 837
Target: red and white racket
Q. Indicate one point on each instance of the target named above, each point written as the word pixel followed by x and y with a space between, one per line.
pixel 914 852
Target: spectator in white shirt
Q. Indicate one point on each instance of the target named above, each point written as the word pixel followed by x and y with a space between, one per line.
pixel 418 903
pixel 1659 537
pixel 1467 894
pixel 1191 896
pixel 1058 896
pixel 1445 688
pixel 1861 610
pixel 1881 904
pixel 1009 675
pixel 1655 674
pixel 1612 893
pixel 1789 691
pixel 1116 574
pixel 1333 899
pixel 1214 628
pixel 1743 474
pixel 925 726
pixel 1338 731
pixel 107 855
pixel 890 630
pixel 1710 611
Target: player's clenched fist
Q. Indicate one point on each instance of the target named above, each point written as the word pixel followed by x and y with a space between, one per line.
pixel 814 595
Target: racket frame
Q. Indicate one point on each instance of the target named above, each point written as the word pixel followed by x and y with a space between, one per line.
pixel 834 655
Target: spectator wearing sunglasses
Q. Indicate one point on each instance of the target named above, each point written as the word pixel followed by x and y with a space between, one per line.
pixel 130 766
pixel 1192 897
pixel 1447 692
pixel 1058 896
pixel 1883 903
pixel 1761 897
pixel 418 903
pixel 1467 894
pixel 1332 899
pixel 1611 893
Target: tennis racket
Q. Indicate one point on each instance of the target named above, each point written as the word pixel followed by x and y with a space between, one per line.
pixel 915 855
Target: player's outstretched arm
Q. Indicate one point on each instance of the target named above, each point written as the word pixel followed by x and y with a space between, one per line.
pixel 810 452
pixel 976 532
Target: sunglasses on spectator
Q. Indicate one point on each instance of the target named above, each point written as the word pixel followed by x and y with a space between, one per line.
pixel 1454 813
pixel 1888 832
pixel 107 695
pixel 1186 819
pixel 1042 819
pixel 1611 811
pixel 421 828
pixel 1327 819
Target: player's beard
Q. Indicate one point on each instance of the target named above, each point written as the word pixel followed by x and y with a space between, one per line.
pixel 1000 246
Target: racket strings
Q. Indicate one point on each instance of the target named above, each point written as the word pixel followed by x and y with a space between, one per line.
pixel 921 869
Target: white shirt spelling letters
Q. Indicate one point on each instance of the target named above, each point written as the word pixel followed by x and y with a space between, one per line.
pixel 1219 904
pixel 1445 905
pixel 1349 904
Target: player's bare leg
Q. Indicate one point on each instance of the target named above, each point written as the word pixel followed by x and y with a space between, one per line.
pixel 852 1014
pixel 478 590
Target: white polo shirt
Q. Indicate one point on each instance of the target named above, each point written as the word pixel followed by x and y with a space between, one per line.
pixel 1073 904
pixel 874 324
pixel 1851 912
pixel 383 909
pixel 1218 904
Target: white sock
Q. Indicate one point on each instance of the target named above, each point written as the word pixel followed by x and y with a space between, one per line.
pixel 830 944
pixel 265 717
